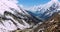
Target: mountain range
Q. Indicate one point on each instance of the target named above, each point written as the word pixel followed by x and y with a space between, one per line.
pixel 13 17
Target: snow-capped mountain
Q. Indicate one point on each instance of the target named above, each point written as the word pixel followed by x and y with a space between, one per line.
pixel 46 10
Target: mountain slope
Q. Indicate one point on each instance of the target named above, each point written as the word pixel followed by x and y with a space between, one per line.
pixel 12 16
